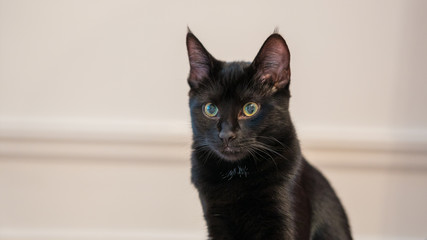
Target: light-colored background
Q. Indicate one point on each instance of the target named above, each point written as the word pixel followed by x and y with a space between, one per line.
pixel 94 125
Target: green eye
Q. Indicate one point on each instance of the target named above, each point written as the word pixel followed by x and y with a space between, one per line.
pixel 250 109
pixel 210 110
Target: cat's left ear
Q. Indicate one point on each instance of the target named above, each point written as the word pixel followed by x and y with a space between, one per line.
pixel 201 61
pixel 272 61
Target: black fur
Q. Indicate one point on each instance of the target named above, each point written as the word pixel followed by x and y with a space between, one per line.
pixel 263 188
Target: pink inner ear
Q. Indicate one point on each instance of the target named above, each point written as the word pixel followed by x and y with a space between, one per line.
pixel 199 60
pixel 274 56
pixel 265 77
pixel 272 61
pixel 199 68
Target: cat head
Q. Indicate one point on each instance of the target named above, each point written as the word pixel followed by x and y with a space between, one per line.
pixel 239 109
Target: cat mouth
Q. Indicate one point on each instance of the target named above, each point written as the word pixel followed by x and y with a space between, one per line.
pixel 230 150
pixel 231 153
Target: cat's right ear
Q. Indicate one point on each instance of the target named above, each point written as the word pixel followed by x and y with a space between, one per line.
pixel 201 62
pixel 272 62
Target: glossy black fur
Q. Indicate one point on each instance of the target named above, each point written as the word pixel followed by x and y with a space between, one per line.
pixel 264 189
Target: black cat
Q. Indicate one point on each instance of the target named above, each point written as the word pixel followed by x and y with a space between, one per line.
pixel 247 165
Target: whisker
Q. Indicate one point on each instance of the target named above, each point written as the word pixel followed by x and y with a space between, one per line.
pixel 263 150
pixel 276 141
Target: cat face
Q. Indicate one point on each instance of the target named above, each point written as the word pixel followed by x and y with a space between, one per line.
pixel 239 109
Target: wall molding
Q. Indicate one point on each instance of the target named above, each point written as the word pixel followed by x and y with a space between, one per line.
pixel 170 142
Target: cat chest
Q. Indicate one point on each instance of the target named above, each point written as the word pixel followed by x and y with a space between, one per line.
pixel 246 216
pixel 240 199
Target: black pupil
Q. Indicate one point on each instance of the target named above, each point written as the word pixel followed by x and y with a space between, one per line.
pixel 250 108
pixel 211 109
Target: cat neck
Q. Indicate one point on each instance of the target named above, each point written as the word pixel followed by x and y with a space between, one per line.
pixel 208 167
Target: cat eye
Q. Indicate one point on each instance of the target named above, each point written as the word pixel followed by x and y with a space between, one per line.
pixel 250 109
pixel 210 110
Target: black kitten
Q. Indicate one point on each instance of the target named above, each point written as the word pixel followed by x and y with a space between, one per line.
pixel 247 165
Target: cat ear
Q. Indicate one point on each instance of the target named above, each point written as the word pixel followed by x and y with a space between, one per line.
pixel 272 61
pixel 201 62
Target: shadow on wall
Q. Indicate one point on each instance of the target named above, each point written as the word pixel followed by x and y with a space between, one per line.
pixel 409 113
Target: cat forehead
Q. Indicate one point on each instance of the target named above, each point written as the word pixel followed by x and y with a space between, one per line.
pixel 232 77
pixel 233 70
pixel 231 81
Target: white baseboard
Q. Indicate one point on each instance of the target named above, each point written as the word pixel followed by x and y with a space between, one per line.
pixel 99 234
pixel 103 234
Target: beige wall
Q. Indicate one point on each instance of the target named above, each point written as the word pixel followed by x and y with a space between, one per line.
pixel 94 125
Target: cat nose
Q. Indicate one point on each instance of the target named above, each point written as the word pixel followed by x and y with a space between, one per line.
pixel 227 136
pixel 227 133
